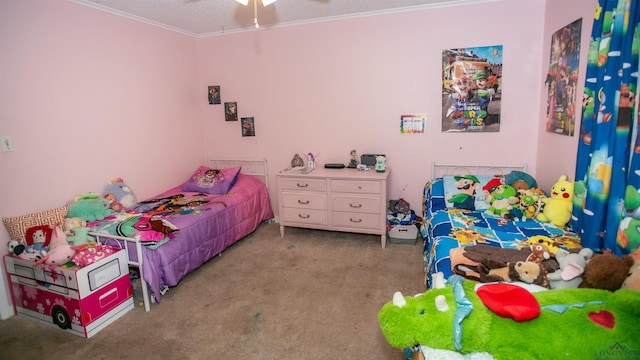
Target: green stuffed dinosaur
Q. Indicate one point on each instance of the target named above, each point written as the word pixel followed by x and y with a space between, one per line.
pixel 551 324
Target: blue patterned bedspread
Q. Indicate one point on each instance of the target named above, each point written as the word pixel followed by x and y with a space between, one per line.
pixel 445 229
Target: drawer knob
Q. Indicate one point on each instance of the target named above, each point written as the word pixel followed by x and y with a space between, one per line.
pixel 301 216
pixel 355 220
pixel 359 187
pixel 303 202
pixel 302 185
pixel 355 206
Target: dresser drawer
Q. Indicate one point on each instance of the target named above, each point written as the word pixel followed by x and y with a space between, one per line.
pixel 355 220
pixel 356 186
pixel 303 200
pixel 360 204
pixel 304 216
pixel 303 184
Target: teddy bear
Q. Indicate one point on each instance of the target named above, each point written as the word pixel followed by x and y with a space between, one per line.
pixel 633 277
pixel 606 271
pixel 558 206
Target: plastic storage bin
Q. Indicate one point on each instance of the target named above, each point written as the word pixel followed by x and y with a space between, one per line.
pixel 403 234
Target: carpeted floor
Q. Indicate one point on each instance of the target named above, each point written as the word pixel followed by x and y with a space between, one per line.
pixel 312 295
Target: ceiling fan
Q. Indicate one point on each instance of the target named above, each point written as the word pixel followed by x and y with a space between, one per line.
pixel 255 9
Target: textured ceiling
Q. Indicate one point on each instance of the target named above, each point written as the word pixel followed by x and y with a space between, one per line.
pixel 212 17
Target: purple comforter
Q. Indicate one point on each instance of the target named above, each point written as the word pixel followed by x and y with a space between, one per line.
pixel 204 230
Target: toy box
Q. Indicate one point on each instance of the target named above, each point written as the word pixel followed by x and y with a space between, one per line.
pixel 81 301
pixel 403 234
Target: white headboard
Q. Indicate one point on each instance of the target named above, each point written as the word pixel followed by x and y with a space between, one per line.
pixel 440 169
pixel 257 168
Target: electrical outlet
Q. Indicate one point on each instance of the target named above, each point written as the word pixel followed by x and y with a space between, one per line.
pixel 7 143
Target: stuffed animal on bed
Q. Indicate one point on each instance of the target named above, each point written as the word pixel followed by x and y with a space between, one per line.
pixel 504 321
pixel 90 208
pixel 119 195
pixel 503 198
pixel 558 206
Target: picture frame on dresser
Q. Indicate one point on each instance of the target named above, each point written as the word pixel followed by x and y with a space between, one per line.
pixel 345 200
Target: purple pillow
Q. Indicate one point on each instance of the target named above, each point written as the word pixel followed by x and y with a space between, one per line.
pixel 212 181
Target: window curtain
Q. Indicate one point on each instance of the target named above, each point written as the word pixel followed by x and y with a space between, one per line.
pixel 606 211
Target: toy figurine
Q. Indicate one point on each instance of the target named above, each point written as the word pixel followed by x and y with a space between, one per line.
pixel 353 163
pixel 381 164
pixel 311 164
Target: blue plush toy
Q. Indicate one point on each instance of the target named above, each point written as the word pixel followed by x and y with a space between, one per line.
pixel 120 196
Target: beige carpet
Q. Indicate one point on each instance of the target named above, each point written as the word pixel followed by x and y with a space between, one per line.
pixel 312 295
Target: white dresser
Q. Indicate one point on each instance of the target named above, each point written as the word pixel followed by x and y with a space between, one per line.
pixel 335 199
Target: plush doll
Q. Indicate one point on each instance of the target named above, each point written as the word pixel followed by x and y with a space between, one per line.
pixel 60 251
pixel 558 206
pixel 17 249
pixel 502 200
pixel 81 236
pixel 38 239
pixel 606 271
pixel 501 321
pixel 119 195
pixel 71 223
pixel 633 278
pixel 571 269
pixel 90 208
pixel 520 180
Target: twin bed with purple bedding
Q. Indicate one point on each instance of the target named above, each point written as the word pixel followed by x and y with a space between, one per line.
pixel 175 232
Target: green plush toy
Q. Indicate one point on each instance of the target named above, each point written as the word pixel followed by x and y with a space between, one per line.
pixel 551 324
pixel 90 208
pixel 80 236
pixel 503 199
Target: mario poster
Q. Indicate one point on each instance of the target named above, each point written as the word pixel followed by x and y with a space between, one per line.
pixel 471 88
pixel 562 79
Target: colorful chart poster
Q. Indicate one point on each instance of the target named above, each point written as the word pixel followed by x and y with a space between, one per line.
pixel 562 78
pixel 412 124
pixel 471 89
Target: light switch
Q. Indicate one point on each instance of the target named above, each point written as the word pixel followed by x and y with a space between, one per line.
pixel 7 143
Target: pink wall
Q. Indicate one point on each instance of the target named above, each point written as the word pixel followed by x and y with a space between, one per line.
pixel 80 86
pixel 335 86
pixel 88 96
pixel 557 153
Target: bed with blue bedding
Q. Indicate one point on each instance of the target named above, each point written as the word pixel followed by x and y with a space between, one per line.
pixel 447 229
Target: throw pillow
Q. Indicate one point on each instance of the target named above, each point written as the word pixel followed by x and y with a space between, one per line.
pixel 483 186
pixel 212 181
pixel 17 226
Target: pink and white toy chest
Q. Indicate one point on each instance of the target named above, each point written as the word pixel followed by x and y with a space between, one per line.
pixel 81 301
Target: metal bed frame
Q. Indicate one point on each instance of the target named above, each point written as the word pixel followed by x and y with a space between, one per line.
pixel 440 169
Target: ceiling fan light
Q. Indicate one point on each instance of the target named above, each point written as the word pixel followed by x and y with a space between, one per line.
pixel 266 2
pixel 243 2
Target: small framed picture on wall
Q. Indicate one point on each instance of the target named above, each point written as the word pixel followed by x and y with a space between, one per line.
pixel 231 111
pixel 248 127
pixel 214 94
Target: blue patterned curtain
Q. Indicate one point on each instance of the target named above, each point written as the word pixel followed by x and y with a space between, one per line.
pixel 606 211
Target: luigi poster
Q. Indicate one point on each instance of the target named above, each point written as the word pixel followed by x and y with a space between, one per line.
pixel 471 89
